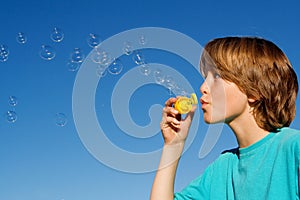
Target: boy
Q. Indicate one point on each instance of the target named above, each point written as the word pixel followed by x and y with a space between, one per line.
pixel 250 86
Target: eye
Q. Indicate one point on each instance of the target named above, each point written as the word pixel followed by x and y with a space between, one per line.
pixel 217 76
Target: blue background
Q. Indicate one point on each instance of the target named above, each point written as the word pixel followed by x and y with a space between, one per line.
pixel 40 160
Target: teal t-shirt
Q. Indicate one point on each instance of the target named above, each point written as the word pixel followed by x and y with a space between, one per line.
pixel 268 169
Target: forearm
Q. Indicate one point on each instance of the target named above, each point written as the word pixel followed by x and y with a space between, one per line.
pixel 163 186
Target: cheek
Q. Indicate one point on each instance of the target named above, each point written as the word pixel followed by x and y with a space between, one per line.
pixel 219 98
pixel 227 99
pixel 219 104
pixel 235 101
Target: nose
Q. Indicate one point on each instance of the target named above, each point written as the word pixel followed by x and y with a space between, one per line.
pixel 204 88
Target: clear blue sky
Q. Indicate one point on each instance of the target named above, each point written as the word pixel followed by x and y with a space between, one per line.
pixel 41 160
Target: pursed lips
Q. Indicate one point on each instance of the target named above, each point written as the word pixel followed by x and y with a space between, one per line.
pixel 203 102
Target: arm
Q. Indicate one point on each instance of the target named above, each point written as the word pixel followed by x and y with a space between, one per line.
pixel 175 131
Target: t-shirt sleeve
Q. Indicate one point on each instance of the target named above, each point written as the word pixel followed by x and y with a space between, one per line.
pixel 296 149
pixel 199 188
pixel 299 178
pixel 298 163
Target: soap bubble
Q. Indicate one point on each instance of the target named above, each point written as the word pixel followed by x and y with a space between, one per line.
pixel 77 56
pixel 101 71
pixel 138 57
pixel 21 38
pixel 142 40
pixel 12 100
pixel 158 76
pixel 61 119
pixel 179 91
pixel 145 69
pixel 11 116
pixel 169 82
pixel 3 58
pixel 127 49
pixel 93 40
pixel 57 35
pixel 73 66
pixel 101 57
pixel 4 51
pixel 47 52
pixel 115 67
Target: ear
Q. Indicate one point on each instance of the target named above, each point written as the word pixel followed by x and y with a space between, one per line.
pixel 251 99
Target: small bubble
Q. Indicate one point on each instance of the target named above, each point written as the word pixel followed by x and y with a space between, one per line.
pixel 4 51
pixel 3 58
pixel 61 119
pixel 127 49
pixel 145 69
pixel 73 66
pixel 12 100
pixel 21 38
pixel 77 56
pixel 93 40
pixel 138 57
pixel 142 40
pixel 57 35
pixel 11 116
pixel 169 82
pixel 116 67
pixel 101 57
pixel 179 91
pixel 47 52
pixel 101 71
pixel 158 76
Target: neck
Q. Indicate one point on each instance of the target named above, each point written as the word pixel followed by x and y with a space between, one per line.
pixel 246 131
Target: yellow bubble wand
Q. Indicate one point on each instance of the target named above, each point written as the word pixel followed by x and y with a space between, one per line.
pixel 185 104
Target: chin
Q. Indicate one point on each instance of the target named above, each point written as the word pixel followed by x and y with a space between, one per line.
pixel 209 121
pixel 212 120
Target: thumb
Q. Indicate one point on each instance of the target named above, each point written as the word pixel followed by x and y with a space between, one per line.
pixel 189 117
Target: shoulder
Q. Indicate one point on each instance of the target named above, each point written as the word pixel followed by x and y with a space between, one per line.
pixel 225 157
pixel 289 135
pixel 289 130
pixel 290 139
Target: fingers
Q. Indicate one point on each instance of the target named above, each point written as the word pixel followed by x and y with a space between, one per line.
pixel 170 102
pixel 168 109
pixel 171 117
pixel 172 126
pixel 190 115
pixel 172 120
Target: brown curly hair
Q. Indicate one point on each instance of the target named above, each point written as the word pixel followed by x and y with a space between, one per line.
pixel 262 71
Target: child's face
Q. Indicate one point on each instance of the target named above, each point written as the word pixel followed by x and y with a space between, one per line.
pixel 222 101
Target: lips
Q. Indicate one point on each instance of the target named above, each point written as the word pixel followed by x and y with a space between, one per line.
pixel 203 102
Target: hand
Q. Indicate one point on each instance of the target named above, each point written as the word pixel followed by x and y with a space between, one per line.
pixel 173 127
